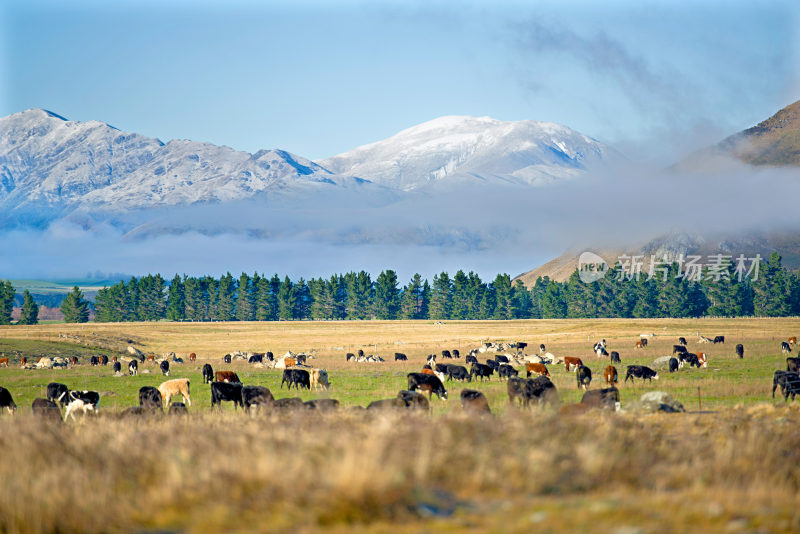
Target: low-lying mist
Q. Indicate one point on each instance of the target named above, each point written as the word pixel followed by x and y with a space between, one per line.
pixel 485 228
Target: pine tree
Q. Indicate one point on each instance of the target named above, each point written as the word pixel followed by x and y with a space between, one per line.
pixel 263 303
pixel 441 297
pixel 226 299
pixel 286 300
pixel 176 300
pixel 303 301
pixel 245 299
pixel 520 301
pixel 475 290
pixel 6 301
pixel 461 300
pixel 771 290
pixel 387 296
pixel 359 295
pixel 410 300
pixel 30 311
pixel 553 302
pixel 74 307
pixel 502 297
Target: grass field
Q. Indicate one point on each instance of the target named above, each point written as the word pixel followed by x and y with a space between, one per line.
pixel 734 467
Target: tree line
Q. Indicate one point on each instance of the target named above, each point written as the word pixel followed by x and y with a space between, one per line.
pixel 356 296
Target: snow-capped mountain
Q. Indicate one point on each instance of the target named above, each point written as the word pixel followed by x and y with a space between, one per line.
pixel 47 160
pixel 473 149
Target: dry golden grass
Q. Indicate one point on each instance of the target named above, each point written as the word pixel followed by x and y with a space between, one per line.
pixel 736 469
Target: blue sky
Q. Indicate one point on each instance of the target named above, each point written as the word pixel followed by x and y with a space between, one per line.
pixel 654 79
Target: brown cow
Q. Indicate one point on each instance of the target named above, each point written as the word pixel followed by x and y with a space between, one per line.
pixel 3 362
pixel 574 362
pixel 290 362
pixel 114 359
pixel 151 359
pixel 74 360
pixel 538 368
pixel 793 340
pixel 23 362
pixel 427 370
pixel 611 376
pixel 702 359
pixel 192 357
pixel 638 345
pixel 226 376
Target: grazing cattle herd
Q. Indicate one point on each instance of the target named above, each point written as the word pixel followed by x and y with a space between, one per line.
pixel 535 389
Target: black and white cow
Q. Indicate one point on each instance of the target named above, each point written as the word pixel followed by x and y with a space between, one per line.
pixel 226 391
pixel 500 359
pixel 640 371
pixel 226 358
pixel 164 368
pixel 133 367
pixel 429 383
pixel 86 401
pixel 299 378
pixel 785 347
pixel 58 393
pixel 679 349
pixel 7 401
pixel 584 376
pixel 117 368
pixel 208 373
pixel 150 398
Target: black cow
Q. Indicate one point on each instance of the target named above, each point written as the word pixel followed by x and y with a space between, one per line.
pixel 164 368
pixel 208 374
pixel 481 370
pixel 178 408
pixel 256 396
pixel 350 356
pixel 640 371
pixel 615 357
pixel 7 401
pixel 456 354
pixel 400 357
pixel 256 358
pixel 387 404
pixel 58 393
pixel 793 364
pixel 458 372
pixel 785 347
pixel 150 398
pixel 542 348
pixel 506 371
pixel 740 350
pixel 605 398
pixel 133 367
pixel 270 356
pixel 94 361
pixel 141 357
pixel 474 401
pixel 679 349
pixel 414 400
pixel 719 339
pixel 584 376
pixel 540 390
pixel 440 368
pixel 446 354
pixel 644 341
pixel 470 359
pixel 117 367
pixel 494 364
pixel 499 358
pixel 682 340
pixel 516 391
pixel 226 358
pixel 103 359
pixel 226 391
pixel 299 378
pixel 789 382
pixel 300 358
pixel 673 365
pixel 429 383
pixel 289 403
pixel 520 347
pixel 46 408
pixel 322 405
pixel 360 353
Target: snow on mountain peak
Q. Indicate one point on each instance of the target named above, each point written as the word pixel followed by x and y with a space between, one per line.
pixel 468 148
